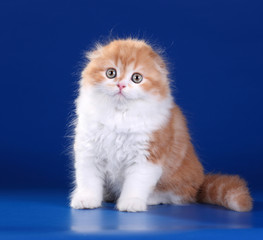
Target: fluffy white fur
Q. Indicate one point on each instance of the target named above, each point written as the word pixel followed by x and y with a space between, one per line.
pixel 111 143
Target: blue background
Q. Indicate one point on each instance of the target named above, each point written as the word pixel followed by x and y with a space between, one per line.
pixel 214 49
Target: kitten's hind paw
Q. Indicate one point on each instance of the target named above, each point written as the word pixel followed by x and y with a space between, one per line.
pixel 81 202
pixel 131 205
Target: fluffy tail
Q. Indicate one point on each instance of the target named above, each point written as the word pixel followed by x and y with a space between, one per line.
pixel 226 190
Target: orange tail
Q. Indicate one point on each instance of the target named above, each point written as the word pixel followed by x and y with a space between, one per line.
pixel 226 190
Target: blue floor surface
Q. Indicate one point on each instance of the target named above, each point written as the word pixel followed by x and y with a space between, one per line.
pixel 46 215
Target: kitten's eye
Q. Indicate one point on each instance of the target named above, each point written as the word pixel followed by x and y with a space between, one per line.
pixel 111 73
pixel 136 77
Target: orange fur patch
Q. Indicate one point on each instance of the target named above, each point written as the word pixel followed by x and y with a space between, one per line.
pixel 183 175
pixel 171 147
pixel 226 190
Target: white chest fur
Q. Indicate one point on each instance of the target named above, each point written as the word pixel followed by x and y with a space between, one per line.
pixel 116 138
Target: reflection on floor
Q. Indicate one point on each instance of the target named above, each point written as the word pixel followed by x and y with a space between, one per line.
pixel 46 215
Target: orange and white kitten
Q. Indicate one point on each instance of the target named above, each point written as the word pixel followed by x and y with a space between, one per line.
pixel 132 144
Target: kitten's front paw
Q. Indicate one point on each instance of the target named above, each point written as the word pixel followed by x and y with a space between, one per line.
pixel 84 202
pixel 131 205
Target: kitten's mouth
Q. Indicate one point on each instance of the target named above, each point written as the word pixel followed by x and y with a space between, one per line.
pixel 120 96
pixel 120 93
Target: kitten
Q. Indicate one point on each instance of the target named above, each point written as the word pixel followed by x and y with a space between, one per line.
pixel 132 144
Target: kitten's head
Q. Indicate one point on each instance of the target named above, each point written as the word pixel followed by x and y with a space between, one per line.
pixel 126 70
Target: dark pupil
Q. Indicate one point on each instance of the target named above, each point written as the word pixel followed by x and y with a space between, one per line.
pixel 111 72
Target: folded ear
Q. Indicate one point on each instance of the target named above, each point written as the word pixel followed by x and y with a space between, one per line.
pixel 160 63
pixel 95 52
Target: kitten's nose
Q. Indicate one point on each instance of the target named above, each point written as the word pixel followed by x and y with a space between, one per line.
pixel 120 85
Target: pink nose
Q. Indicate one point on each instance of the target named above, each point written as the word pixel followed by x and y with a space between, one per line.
pixel 121 86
